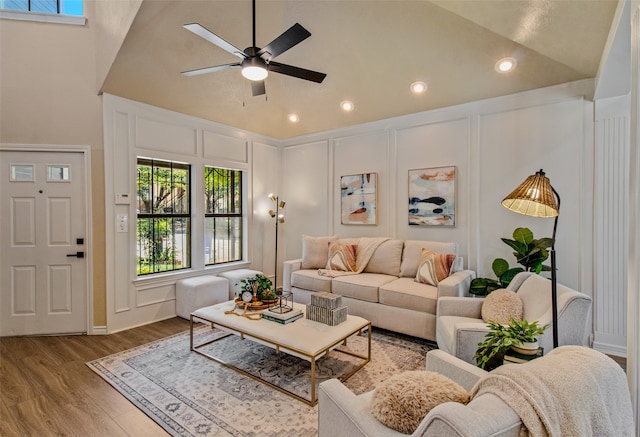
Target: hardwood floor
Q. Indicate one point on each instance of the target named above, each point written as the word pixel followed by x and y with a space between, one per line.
pixel 47 390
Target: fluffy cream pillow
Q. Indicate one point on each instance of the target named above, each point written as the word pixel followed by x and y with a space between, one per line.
pixel 315 251
pixel 403 400
pixel 434 267
pixel 501 306
pixel 342 257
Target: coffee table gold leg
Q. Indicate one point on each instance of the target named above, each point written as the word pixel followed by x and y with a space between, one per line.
pixel 313 381
pixel 369 340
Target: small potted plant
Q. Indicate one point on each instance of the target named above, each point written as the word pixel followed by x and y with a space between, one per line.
pixel 519 334
pixel 263 287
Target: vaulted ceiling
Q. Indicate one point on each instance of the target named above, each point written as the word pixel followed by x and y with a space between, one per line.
pixel 370 50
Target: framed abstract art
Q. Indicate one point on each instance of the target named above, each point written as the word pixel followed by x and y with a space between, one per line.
pixel 358 199
pixel 432 196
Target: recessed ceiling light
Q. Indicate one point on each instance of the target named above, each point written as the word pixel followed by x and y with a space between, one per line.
pixel 293 118
pixel 347 105
pixel 418 87
pixel 505 65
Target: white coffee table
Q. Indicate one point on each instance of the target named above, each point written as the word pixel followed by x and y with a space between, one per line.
pixel 303 338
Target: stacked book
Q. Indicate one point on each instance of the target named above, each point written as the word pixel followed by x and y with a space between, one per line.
pixel 326 308
pixel 282 318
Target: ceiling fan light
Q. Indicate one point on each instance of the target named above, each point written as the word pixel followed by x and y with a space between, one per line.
pixel 253 72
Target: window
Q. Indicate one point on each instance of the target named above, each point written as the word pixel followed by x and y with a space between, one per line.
pixel 63 7
pixel 223 215
pixel 164 221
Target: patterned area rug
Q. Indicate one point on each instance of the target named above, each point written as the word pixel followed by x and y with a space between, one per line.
pixel 190 395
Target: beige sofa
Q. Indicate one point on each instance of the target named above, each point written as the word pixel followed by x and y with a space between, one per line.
pixel 598 389
pixel 385 292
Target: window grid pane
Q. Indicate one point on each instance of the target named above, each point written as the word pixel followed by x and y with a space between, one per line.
pixel 164 224
pixel 66 7
pixel 223 215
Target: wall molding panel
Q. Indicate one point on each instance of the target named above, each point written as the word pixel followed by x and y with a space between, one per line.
pixel 612 129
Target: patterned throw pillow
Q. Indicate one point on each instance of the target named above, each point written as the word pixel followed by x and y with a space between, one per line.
pixel 342 257
pixel 434 267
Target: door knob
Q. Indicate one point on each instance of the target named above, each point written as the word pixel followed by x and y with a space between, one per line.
pixel 77 254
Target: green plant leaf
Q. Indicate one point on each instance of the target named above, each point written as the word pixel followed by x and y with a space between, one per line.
pixel 499 266
pixel 523 235
pixel 543 243
pixel 520 248
pixel 483 286
pixel 507 277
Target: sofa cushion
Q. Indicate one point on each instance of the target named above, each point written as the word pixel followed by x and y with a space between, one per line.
pixel 342 257
pixel 310 280
pixel 363 286
pixel 404 399
pixel 386 258
pixel 434 267
pixel 413 250
pixel 315 251
pixel 501 306
pixel 409 294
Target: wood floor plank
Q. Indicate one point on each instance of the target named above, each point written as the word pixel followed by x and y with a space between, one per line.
pixel 15 386
pixel 40 416
pixel 8 426
pixel 47 389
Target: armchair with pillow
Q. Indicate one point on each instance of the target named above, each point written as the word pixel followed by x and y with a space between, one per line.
pixel 461 322
pixel 572 391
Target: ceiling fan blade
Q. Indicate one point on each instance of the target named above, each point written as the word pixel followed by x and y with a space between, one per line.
pixel 298 72
pixel 289 38
pixel 205 33
pixel 257 88
pixel 210 69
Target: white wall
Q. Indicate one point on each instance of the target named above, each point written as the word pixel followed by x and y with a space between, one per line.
pixel 133 129
pixel 494 144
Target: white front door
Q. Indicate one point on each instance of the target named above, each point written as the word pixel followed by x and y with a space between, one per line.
pixel 43 260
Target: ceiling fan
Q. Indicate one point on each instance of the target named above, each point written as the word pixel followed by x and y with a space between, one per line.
pixel 258 62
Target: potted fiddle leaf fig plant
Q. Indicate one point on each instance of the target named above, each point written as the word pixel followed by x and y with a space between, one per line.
pixel 530 253
pixel 501 338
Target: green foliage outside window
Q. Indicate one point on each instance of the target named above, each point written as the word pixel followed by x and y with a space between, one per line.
pixel 223 215
pixel 164 221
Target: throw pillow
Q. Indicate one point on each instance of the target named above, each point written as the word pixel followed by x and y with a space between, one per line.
pixel 315 251
pixel 501 306
pixel 434 267
pixel 403 400
pixel 342 257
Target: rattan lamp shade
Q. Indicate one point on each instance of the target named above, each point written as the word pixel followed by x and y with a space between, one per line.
pixel 534 197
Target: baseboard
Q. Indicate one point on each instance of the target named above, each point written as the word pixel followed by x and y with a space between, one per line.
pixel 98 330
pixel 609 349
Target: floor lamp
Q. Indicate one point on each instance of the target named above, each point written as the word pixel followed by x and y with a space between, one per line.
pixel 279 219
pixel 536 197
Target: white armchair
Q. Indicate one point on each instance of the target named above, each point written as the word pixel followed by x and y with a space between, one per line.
pixel 343 413
pixel 459 324
pixel 601 386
